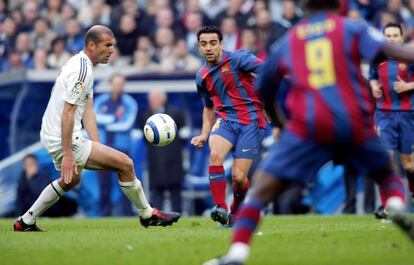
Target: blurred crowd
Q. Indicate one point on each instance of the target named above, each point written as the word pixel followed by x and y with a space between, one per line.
pixel 160 35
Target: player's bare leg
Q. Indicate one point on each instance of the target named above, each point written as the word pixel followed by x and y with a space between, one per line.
pixel 49 196
pixel 240 184
pixel 106 158
pixel 219 148
pixel 264 190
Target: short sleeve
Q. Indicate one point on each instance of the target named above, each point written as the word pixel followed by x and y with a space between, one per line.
pixel 202 91
pixel 248 62
pixel 74 82
pixel 373 72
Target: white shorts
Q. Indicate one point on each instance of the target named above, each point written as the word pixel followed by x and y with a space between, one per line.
pixel 81 150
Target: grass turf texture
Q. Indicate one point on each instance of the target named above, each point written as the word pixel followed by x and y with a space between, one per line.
pixel 281 240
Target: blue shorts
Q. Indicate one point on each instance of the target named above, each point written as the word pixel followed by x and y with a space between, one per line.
pixel 396 130
pixel 246 139
pixel 294 158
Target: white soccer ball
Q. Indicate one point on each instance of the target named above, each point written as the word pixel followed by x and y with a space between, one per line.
pixel 160 129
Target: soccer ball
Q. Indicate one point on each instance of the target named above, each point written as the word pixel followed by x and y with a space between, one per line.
pixel 160 129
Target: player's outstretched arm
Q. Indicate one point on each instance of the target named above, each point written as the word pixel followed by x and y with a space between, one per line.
pixel 398 52
pixel 208 118
pixel 68 167
pixel 89 121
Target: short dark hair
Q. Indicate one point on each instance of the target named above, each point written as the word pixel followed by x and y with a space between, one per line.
pixel 393 25
pixel 94 34
pixel 33 156
pixel 321 4
pixel 209 29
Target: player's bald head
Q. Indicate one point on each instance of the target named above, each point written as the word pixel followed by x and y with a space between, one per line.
pixel 315 5
pixel 95 33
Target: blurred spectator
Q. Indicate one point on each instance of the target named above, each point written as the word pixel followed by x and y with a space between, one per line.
pixel 74 36
pixel 40 60
pixel 7 36
pixel 258 6
pixel 213 7
pixel 164 42
pixel 385 17
pixel 397 8
pixel 17 16
pixel 3 10
pixel 97 12
pixel 192 23
pixel 143 63
pixel 30 11
pixel 58 55
pixel 127 35
pixel 230 32
pixel 42 36
pixel 289 14
pixel 248 41
pixel 130 7
pixel 24 47
pixel 13 63
pixel 180 60
pixel 145 43
pixel 68 14
pixel 165 165
pixel 115 114
pixel 233 10
pixel 53 13
pixel 191 7
pixel 366 8
pixel 165 18
pixel 31 184
pixel 267 30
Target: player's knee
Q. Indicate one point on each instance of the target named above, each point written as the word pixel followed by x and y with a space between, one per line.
pixel 239 177
pixel 126 163
pixel 216 158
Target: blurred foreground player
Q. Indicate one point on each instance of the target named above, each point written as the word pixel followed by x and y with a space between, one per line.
pixel 330 115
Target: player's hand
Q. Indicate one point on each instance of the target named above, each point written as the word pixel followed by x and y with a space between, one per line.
pixel 198 141
pixel 68 168
pixel 401 86
pixel 377 92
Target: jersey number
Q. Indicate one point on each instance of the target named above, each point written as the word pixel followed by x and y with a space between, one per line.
pixel 320 63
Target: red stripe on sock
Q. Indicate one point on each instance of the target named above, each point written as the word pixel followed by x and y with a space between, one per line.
pixel 216 170
pixel 218 192
pixel 239 193
pixel 390 187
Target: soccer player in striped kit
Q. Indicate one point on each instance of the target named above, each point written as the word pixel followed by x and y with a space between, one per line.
pixel 330 115
pixel 226 85
pixel 392 84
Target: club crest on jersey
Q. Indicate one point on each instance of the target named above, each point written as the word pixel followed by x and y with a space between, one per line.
pixel 402 66
pixel 225 70
pixel 78 87
pixel 216 125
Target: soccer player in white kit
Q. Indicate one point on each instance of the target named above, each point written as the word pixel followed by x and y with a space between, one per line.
pixel 71 103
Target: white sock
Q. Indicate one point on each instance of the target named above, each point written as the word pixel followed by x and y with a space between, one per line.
pixel 394 205
pixel 238 252
pixel 49 196
pixel 135 193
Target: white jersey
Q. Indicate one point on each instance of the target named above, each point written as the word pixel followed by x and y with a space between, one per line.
pixel 73 85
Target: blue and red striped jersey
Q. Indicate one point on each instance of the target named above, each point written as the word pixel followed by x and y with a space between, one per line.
pixel 387 73
pixel 328 98
pixel 229 87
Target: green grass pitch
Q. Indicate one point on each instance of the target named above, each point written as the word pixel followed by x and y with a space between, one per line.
pixel 347 240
